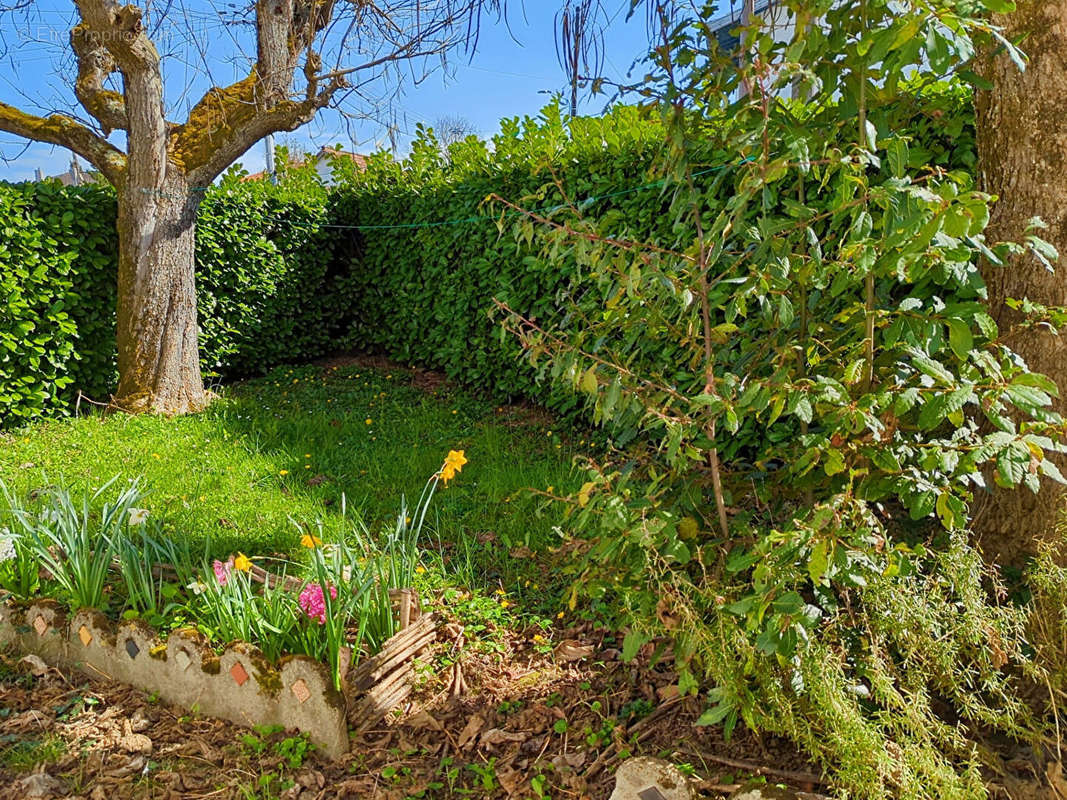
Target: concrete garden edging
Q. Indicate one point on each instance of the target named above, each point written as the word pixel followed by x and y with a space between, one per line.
pixel 239 685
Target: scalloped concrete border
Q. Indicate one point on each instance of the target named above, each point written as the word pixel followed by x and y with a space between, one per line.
pixel 239 685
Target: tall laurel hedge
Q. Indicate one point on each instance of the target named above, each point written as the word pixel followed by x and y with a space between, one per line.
pixel 57 273
pixel 264 279
pixel 403 259
pixel 427 289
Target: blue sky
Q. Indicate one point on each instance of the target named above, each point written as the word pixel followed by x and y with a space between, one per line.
pixel 513 72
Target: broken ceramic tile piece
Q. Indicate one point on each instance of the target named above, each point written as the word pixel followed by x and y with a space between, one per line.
pixel 181 658
pixel 40 625
pixel 132 650
pixel 645 778
pixel 85 635
pixel 301 691
pixel 239 674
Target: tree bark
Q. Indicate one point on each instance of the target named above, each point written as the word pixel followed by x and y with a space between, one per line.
pixel 159 369
pixel 1022 145
pixel 159 363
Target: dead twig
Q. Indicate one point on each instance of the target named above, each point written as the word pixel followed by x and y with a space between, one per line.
pixel 756 768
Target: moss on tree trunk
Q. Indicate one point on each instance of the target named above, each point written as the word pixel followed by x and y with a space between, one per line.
pixel 157 326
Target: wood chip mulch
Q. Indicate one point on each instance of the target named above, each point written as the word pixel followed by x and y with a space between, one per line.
pixel 495 726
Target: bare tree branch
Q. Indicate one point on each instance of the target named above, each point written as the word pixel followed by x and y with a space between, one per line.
pixel 205 151
pixel 580 42
pixel 451 129
pixel 226 122
pixel 119 74
pixel 120 30
pixel 65 132
pixel 95 65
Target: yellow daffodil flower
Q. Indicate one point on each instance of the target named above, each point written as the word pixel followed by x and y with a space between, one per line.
pixel 309 541
pixel 242 563
pixel 454 462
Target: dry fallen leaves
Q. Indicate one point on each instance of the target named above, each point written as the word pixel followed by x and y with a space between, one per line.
pixel 39 786
pixel 571 650
pixel 470 731
pixel 423 721
pixel 498 736
pixel 34 665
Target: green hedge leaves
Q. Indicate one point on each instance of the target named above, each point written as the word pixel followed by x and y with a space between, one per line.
pixel 405 258
pixel 264 282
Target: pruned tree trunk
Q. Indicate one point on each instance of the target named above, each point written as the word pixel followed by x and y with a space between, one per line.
pixel 158 356
pixel 1022 145
pixel 159 369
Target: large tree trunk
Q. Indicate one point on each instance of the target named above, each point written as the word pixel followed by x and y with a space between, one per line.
pixel 159 369
pixel 159 365
pixel 1022 144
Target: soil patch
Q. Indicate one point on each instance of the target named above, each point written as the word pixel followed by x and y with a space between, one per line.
pixel 483 724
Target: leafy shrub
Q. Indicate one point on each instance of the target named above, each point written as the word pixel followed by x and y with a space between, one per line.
pixel 53 270
pixel 265 276
pixel 81 221
pixel 425 288
pixel 819 390
pixel 428 259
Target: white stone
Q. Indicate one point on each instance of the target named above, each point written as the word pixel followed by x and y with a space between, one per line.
pixel 774 793
pixel 645 778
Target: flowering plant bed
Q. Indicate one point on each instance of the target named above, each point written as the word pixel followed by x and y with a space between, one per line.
pixel 239 684
pixel 328 645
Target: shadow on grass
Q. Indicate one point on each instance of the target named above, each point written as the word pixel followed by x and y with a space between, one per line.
pixel 300 445
pixel 368 438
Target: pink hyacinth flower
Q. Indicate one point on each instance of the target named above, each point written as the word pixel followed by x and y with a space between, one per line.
pixel 223 570
pixel 313 602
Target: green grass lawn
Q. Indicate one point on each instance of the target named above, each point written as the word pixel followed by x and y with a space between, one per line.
pixel 287 448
